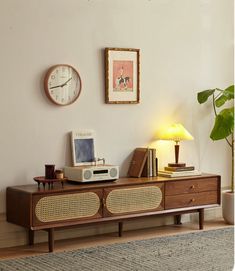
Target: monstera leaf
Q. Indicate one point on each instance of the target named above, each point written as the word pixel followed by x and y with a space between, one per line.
pixel 224 124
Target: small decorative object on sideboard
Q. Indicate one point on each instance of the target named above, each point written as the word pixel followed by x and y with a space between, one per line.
pixel 49 171
pixel 50 182
pixel 59 174
pixel 51 176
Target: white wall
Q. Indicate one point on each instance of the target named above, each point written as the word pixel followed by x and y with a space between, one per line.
pixel 186 46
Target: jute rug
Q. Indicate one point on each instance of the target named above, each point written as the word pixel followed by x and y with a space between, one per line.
pixel 202 251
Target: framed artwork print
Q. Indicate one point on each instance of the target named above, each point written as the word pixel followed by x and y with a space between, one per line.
pixel 83 147
pixel 122 76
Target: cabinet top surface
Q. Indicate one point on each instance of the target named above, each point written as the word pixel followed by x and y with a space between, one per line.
pixel 76 186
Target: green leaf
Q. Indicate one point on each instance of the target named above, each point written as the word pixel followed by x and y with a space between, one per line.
pixel 227 95
pixel 221 100
pixel 230 92
pixel 224 124
pixel 204 95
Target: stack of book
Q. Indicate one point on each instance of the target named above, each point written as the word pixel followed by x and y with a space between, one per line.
pixel 143 163
pixel 178 172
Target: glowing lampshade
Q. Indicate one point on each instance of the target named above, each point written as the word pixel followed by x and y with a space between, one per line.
pixel 177 133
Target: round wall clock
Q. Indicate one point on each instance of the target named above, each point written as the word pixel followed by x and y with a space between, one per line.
pixel 62 84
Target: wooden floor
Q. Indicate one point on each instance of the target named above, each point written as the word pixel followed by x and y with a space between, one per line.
pixel 111 238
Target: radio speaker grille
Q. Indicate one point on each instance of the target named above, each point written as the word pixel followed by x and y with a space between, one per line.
pixel 62 207
pixel 113 172
pixel 87 174
pixel 128 200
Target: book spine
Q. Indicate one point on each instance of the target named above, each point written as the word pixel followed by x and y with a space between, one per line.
pixel 148 164
pixel 154 163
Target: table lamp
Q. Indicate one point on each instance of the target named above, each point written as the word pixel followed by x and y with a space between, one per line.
pixel 177 133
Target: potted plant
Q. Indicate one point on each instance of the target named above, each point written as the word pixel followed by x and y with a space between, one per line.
pixel 223 129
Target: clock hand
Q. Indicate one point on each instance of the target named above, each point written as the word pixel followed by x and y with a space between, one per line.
pixel 62 85
pixel 66 82
pixel 56 86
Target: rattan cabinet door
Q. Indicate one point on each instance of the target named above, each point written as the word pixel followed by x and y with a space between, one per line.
pixel 67 207
pixel 133 199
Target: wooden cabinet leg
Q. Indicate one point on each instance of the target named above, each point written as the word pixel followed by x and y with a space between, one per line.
pixel 120 227
pixel 201 218
pixel 177 219
pixel 31 237
pixel 51 239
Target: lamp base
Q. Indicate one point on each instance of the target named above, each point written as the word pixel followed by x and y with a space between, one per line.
pixel 176 164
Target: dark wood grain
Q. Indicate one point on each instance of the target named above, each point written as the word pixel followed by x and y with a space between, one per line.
pixel 18 207
pixel 192 199
pixel 201 218
pixel 191 186
pixel 72 186
pixel 179 196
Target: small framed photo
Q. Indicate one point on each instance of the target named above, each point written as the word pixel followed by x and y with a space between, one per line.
pixel 83 147
pixel 122 76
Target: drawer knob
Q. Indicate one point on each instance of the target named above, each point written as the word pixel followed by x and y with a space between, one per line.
pixel 192 200
pixel 192 186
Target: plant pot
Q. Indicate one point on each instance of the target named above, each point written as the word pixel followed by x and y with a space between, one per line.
pixel 228 207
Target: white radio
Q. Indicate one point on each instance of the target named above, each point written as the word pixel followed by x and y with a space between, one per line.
pixel 92 173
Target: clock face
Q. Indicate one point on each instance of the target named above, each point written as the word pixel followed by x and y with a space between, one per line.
pixel 62 84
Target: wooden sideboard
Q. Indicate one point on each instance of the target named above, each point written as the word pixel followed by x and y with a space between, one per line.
pixel 37 208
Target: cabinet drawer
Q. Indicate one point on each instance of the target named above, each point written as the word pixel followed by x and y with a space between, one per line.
pixel 191 186
pixel 192 199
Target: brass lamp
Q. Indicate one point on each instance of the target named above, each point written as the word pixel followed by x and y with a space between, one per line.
pixel 177 133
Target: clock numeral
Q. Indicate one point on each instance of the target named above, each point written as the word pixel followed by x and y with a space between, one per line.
pixel 53 77
pixel 52 92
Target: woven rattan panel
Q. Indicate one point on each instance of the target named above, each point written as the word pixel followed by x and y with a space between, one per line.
pixel 133 199
pixel 71 206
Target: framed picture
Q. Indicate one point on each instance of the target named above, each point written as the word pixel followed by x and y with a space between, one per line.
pixel 83 147
pixel 122 76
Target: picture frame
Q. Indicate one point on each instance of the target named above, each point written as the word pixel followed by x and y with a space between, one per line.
pixel 122 76
pixel 83 147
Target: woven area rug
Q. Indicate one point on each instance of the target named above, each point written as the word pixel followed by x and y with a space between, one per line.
pixel 202 251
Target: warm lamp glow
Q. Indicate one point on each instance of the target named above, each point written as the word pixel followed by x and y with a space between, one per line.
pixel 177 133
